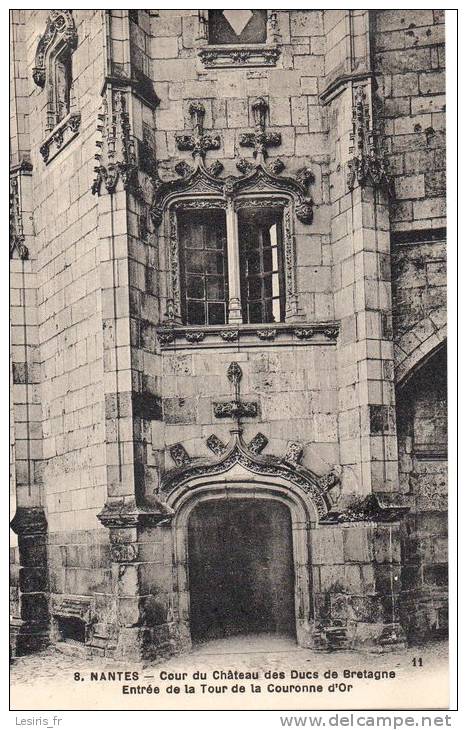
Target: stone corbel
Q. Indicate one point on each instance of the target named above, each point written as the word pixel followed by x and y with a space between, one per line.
pixel 60 137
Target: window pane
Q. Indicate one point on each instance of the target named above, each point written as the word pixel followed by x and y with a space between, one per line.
pixel 253 262
pixel 195 261
pixel 276 310
pixel 214 263
pixel 267 259
pixel 275 285
pixel 203 265
pixel 254 288
pixel 215 288
pixel 195 287
pixel 255 313
pixel 260 240
pixel 216 313
pixel 195 312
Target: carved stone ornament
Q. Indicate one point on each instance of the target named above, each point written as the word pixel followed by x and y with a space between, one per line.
pixel 60 27
pixel 197 143
pixel 229 335
pixel 179 454
pixel 237 452
pixel 294 453
pixel 166 337
pixel 215 445
pixel 304 334
pixel 123 553
pixel 255 178
pixel 236 409
pixel 67 130
pixel 17 238
pixel 332 479
pixel 116 158
pixel 260 139
pixel 194 337
pixel 225 56
pixel 258 443
pixel 266 334
pixel 368 165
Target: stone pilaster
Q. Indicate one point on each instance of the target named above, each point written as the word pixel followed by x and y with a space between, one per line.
pixel 360 190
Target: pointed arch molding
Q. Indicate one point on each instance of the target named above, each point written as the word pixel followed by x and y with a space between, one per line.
pixel 199 181
pixel 266 469
pixel 60 30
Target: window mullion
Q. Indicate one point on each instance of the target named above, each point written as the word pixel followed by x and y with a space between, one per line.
pixel 233 259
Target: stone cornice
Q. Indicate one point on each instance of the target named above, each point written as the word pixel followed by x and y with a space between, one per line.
pixel 374 507
pixel 124 514
pixel 280 334
pixel 337 84
pixel 237 56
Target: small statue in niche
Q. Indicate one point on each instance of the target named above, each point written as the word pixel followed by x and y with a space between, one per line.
pixel 62 87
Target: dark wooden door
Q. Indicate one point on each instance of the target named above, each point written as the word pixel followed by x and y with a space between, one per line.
pixel 241 569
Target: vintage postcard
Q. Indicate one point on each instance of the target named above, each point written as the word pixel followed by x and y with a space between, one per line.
pixel 228 359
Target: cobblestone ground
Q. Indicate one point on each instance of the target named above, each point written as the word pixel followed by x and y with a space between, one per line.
pixel 49 678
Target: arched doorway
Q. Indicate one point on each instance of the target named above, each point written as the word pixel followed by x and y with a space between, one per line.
pixel 240 566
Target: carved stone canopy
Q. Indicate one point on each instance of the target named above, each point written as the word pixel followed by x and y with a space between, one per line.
pixel 256 177
pixel 61 31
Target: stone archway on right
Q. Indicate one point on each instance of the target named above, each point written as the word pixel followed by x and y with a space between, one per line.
pixel 421 400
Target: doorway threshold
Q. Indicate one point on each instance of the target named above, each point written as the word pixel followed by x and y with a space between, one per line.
pixel 246 644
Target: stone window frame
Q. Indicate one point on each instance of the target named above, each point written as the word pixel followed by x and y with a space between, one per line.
pixel 231 205
pixel 238 55
pixel 58 42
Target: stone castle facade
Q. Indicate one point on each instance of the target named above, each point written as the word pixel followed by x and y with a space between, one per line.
pixel 228 327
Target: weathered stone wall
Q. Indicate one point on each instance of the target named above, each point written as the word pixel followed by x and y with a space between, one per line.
pixel 67 265
pixel 294 387
pixel 409 61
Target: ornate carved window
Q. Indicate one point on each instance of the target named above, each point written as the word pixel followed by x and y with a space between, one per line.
pixel 233 38
pixel 230 240
pixel 53 71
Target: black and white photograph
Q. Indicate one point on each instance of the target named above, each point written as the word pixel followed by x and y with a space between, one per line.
pixel 228 360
